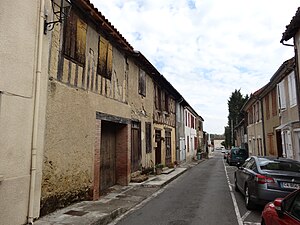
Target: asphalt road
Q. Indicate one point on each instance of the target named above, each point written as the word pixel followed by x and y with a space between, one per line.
pixel 203 195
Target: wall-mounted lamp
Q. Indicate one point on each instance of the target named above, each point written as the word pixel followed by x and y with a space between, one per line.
pixel 61 10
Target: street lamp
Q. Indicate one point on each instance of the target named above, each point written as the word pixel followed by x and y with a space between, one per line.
pixel 61 10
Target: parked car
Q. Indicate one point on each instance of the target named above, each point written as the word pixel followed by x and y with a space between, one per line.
pixel 237 155
pixel 223 149
pixel 283 211
pixel 262 179
pixel 226 152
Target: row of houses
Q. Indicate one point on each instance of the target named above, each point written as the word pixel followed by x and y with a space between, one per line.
pixel 271 124
pixel 80 109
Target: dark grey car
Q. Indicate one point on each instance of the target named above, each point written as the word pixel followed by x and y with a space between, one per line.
pixel 262 179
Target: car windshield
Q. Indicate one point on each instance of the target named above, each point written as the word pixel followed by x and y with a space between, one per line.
pixel 242 152
pixel 266 164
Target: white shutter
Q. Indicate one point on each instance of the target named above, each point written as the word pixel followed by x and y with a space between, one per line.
pixel 282 97
pixel 292 89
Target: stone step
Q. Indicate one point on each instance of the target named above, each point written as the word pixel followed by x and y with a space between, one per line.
pixel 167 170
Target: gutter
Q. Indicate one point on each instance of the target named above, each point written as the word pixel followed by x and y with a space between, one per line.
pixel 286 44
pixel 36 113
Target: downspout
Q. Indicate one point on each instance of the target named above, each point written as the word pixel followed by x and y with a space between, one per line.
pixel 36 113
pixel 297 80
pixel 263 126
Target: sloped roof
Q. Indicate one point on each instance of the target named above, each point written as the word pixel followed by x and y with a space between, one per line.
pixel 292 28
pixel 103 23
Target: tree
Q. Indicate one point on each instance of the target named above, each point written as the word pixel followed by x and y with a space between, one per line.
pixel 235 104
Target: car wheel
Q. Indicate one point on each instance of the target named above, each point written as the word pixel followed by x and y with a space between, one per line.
pixel 248 201
pixel 235 185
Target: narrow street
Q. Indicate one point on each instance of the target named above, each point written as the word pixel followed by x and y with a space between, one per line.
pixel 200 196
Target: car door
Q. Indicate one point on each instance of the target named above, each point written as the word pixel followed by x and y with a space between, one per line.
pixel 240 175
pixel 291 211
pixel 247 174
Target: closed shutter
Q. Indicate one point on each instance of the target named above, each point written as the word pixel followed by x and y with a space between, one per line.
pixel 81 40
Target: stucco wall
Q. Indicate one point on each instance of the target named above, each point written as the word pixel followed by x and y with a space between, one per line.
pixel 71 120
pixel 18 56
pixel 141 108
pixel 255 132
pixel 163 143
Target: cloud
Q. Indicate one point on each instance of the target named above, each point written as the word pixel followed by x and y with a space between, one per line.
pixel 207 48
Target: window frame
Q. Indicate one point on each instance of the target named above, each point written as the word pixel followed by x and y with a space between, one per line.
pixel 142 82
pixel 73 48
pixel 105 58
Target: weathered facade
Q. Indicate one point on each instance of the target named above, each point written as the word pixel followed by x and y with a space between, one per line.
pixel 164 122
pixel 191 138
pixel 271 120
pixel 280 110
pixel 180 128
pixel 141 96
pixel 241 134
pixel 293 32
pixel 86 112
pixel 89 118
pixel 255 124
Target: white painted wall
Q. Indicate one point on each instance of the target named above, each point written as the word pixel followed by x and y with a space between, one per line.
pixel 19 23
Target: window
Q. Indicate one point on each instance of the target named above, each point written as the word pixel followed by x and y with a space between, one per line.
pixel 167 99
pixel 250 115
pixel 142 82
pixel 104 67
pixel 292 89
pixel 267 103
pixel 157 98
pixel 192 122
pixel 163 100
pixel 274 102
pixel 281 95
pixel 188 143
pixel 186 118
pixel 257 112
pixel 293 205
pixel 75 38
pixel 148 137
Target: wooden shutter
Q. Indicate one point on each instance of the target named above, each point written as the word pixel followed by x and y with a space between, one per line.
pixel 105 58
pixel 80 40
pixel 109 61
pixel 267 102
pixel 148 137
pixel 70 35
pixel 142 82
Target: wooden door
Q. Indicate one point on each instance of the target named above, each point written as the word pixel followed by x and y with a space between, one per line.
pixel 136 153
pixel 107 155
pixel 168 148
pixel 158 147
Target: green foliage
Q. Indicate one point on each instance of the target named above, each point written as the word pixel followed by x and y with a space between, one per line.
pixel 159 166
pixel 235 104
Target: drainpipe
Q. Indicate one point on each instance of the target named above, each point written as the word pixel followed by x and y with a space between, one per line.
pixel 36 113
pixel 297 80
pixel 263 126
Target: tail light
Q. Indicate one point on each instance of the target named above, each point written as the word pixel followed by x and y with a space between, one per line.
pixel 261 179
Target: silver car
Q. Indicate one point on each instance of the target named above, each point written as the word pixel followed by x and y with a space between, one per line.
pixel 262 179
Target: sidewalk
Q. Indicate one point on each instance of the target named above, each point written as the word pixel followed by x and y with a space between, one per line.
pixel 118 201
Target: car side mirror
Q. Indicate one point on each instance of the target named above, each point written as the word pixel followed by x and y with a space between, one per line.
pixel 278 204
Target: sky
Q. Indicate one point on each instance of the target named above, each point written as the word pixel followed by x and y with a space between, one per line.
pixel 207 48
